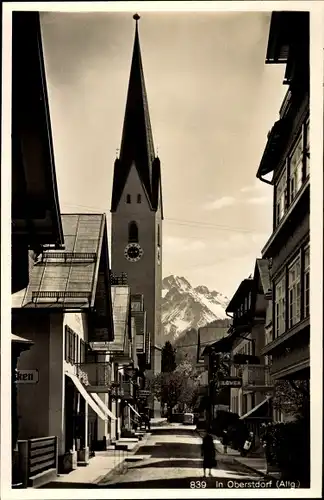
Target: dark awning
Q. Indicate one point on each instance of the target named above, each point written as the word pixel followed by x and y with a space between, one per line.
pixel 254 413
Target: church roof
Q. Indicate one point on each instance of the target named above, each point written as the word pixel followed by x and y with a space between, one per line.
pixel 137 139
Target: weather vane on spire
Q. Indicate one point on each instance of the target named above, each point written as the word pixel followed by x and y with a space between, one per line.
pixel 136 17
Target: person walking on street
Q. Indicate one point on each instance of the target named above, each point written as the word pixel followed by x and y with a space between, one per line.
pixel 225 441
pixel 208 453
pixel 148 422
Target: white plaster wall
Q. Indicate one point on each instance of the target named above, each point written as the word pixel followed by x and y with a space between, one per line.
pixel 56 380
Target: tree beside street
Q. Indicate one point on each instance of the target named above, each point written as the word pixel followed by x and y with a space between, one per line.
pixel 179 386
pixel 168 362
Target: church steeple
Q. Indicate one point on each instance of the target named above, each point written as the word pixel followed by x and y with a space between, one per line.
pixel 137 139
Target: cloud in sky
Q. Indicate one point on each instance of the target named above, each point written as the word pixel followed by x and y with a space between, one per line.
pixel 229 201
pixel 258 200
pixel 224 201
pixel 257 185
pixel 177 244
pixel 88 57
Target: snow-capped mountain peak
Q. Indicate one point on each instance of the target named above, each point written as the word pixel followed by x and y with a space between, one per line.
pixel 185 307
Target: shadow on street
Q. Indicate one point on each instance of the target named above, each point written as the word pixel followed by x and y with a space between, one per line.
pixel 170 449
pixel 172 430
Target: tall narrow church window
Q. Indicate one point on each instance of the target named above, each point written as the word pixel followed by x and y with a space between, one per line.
pixel 139 198
pixel 158 235
pixel 132 232
pixel 128 198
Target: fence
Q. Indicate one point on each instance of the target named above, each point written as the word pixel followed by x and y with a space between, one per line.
pixel 37 456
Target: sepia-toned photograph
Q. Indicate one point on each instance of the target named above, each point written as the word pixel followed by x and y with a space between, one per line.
pixel 160 298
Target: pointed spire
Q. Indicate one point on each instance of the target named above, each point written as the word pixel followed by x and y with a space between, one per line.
pixel 137 140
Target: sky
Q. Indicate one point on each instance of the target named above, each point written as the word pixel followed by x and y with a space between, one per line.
pixel 212 102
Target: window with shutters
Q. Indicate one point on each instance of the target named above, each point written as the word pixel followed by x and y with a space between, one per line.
pixel 71 346
pixel 296 169
pixel 280 307
pixel 82 351
pixel 281 196
pixel 294 292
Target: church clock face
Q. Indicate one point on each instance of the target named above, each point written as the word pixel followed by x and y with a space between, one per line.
pixel 133 252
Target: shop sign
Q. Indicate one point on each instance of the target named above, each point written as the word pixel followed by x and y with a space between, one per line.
pixel 27 376
pixel 230 382
pixel 143 393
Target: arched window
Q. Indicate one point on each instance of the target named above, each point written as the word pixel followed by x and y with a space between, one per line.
pixel 128 198
pixel 132 232
pixel 139 198
pixel 158 236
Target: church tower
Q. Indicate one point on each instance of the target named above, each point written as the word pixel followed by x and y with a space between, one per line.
pixel 136 205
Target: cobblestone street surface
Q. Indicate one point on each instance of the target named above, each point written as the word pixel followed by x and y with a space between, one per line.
pixel 171 458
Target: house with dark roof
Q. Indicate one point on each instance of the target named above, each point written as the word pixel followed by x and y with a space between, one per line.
pixel 35 210
pixel 239 352
pixel 287 159
pixel 248 307
pixel 67 312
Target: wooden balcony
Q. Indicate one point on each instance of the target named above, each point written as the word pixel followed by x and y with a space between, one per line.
pixel 290 361
pixel 96 376
pixel 243 321
pixel 256 378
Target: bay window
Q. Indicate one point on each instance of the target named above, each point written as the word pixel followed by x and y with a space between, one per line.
pixel 296 169
pixel 280 307
pixel 306 282
pixel 294 293
pixel 281 194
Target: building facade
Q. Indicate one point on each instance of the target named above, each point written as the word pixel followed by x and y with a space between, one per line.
pixel 65 309
pixel 249 305
pixel 36 219
pixel 287 158
pixel 136 207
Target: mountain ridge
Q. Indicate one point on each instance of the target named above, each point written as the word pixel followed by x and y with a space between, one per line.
pixel 185 307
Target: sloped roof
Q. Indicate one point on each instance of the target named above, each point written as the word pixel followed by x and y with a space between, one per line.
pixel 67 278
pixel 35 200
pixel 262 268
pixel 120 303
pixel 17 338
pixel 207 336
pixel 244 287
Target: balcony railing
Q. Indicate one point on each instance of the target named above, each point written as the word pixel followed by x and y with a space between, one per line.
pixel 68 257
pixel 291 357
pixel 57 295
pixel 95 375
pixel 121 279
pixel 256 378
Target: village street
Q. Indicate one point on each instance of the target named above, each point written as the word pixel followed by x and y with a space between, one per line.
pixel 170 458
